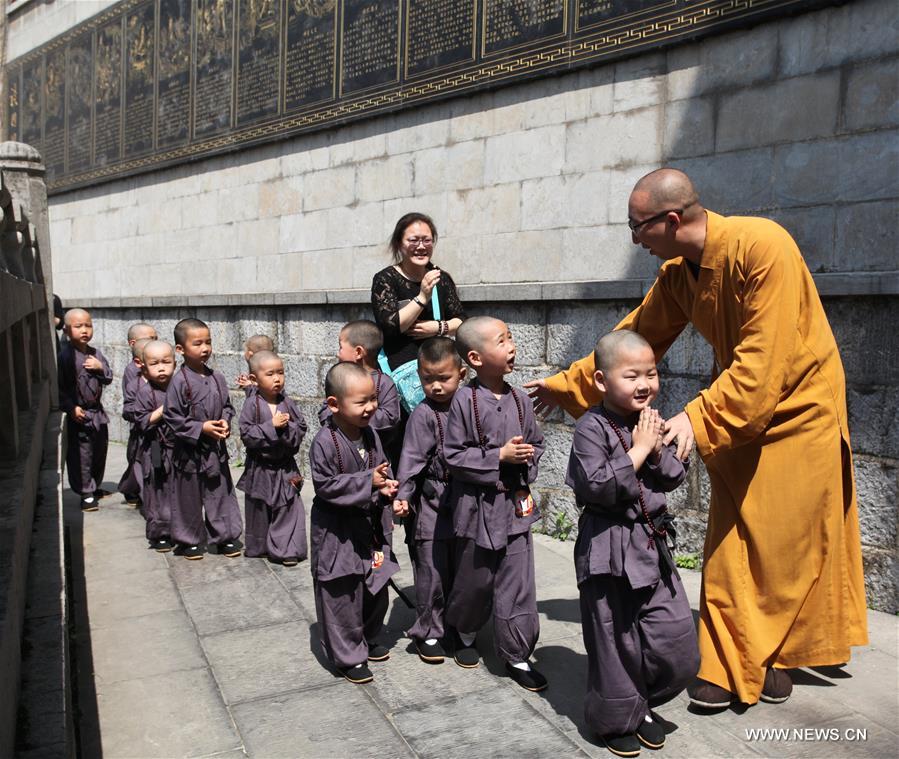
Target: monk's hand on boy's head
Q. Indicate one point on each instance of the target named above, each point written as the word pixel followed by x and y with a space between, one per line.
pixel 400 508
pixel 679 427
pixel 516 451
pixel 93 364
pixel 379 475
pixel 280 419
pixel 79 414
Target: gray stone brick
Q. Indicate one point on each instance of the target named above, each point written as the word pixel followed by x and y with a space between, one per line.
pixel 865 333
pixel 760 115
pixel 522 155
pixel 689 355
pixel 639 82
pixel 619 139
pixel 873 158
pixel 522 257
pixel 813 231
pixel 527 325
pixel 302 376
pixel 303 231
pixel 873 421
pixel 872 95
pixel 864 239
pixel 807 172
pixel 554 462
pixel 876 483
pixel 603 253
pixel 329 189
pixel 384 178
pixel 689 128
pixel 490 210
pixel 572 331
pixel 732 182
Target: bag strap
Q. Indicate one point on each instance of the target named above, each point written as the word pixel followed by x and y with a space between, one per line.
pixel 435 304
pixel 383 363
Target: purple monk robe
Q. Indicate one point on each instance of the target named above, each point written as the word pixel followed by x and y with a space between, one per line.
pixel 130 483
pixel 202 477
pixel 637 625
pixel 275 520
pixel 350 521
pixel 386 420
pixel 86 442
pixel 493 554
pixel 155 458
pixel 423 474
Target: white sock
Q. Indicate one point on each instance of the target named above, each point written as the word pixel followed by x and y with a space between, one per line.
pixel 467 638
pixel 523 665
pixel 431 642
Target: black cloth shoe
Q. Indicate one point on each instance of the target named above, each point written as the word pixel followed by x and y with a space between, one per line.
pixel 162 545
pixel 192 553
pixel 377 652
pixel 466 656
pixel 709 696
pixel 90 503
pixel 529 679
pixel 651 734
pixel 291 562
pixel 230 549
pixel 101 493
pixel 778 686
pixel 358 675
pixel 132 500
pixel 432 653
pixel 622 745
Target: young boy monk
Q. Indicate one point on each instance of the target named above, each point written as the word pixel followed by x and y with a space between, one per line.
pixel 272 428
pixel 360 342
pixel 423 476
pixel 352 524
pixel 156 442
pixel 139 334
pixel 199 411
pixel 638 629
pixel 492 448
pixel 253 344
pixel 83 372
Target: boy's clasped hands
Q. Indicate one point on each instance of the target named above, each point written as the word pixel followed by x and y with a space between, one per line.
pixel 647 435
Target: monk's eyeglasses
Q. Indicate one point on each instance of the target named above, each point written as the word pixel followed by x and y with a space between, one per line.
pixel 635 226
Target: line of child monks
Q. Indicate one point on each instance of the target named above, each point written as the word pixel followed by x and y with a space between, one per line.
pixel 469 454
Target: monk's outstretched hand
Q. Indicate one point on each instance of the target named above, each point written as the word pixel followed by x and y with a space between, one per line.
pixel 679 427
pixel 543 399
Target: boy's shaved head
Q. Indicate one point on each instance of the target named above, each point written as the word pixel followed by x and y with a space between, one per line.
pixel 259 358
pixel 472 332
pixel 155 348
pixel 139 330
pixel 609 347
pixel 185 326
pixel 258 343
pixel 78 313
pixel 434 350
pixel 668 188
pixel 340 375
pixel 364 333
pixel 138 345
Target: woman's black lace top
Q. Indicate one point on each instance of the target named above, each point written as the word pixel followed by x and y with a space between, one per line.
pixel 390 291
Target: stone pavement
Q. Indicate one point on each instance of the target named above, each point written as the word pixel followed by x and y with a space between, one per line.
pixel 220 657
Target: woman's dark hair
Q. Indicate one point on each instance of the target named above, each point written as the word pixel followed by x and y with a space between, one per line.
pixel 396 239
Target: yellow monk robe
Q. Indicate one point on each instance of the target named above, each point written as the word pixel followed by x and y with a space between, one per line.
pixel 782 575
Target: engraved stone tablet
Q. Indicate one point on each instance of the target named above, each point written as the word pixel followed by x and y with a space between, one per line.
pixel 510 23
pixel 173 87
pixel 439 33
pixel 309 63
pixel 139 74
pixel 597 11
pixel 108 94
pixel 369 44
pixel 258 59
pixel 12 104
pixel 212 100
pixel 78 80
pixel 54 145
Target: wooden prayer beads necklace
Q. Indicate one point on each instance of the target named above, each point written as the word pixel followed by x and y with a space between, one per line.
pixel 663 533
pixel 482 438
pixel 445 477
pixel 340 467
pixel 189 390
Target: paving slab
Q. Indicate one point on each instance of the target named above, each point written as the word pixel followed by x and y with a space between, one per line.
pixel 115 597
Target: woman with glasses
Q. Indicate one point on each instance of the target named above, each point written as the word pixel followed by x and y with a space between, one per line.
pixel 402 295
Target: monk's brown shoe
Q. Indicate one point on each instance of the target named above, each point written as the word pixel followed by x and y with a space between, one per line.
pixel 709 696
pixel 778 686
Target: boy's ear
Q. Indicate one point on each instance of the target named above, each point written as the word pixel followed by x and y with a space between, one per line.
pixel 463 371
pixel 131 342
pixel 139 362
pixel 179 349
pixel 332 403
pixel 473 358
pixel 599 380
pixel 252 378
pixel 359 353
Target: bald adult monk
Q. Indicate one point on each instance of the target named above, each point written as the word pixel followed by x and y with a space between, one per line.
pixel 782 570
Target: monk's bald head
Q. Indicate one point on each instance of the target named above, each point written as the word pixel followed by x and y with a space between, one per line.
pixel 137 347
pixel 151 349
pixel 76 314
pixel 664 189
pixel 474 332
pixel 611 347
pixel 343 376
pixel 261 358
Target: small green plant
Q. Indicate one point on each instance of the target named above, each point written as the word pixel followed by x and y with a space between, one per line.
pixel 562 526
pixel 687 560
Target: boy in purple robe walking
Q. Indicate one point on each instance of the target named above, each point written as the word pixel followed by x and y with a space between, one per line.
pixel 352 525
pixel 423 475
pixel 272 428
pixel 253 344
pixel 83 372
pixel 638 629
pixel 139 334
pixel 199 412
pixel 156 442
pixel 359 343
pixel 492 447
